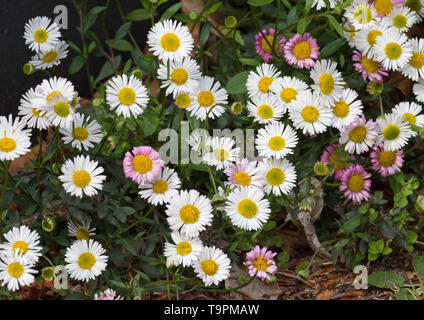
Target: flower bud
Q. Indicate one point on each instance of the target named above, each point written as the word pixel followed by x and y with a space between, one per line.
pixel 47 273
pixel 236 108
pixel 320 168
pixel 193 15
pixel 375 89
pixel 97 102
pixel 56 168
pixel 48 224
pixel 271 280
pixel 138 74
pixel 230 22
pixel 422 133
pixel 419 204
pixel 28 69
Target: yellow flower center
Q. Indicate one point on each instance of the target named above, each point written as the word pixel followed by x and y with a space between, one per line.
pixel 209 267
pixel 126 96
pixel 266 47
pixel 189 214
pixel 183 248
pixel 37 113
pixel 393 50
pixel 326 83
pixel 247 208
pixel 142 164
pixel 221 154
pixel 369 65
pixel 81 178
pixel 170 42
pixel 62 109
pixel 50 56
pixel 15 269
pixel 86 260
pixel 334 157
pixel 20 246
pixel 80 133
pixel 341 109
pixel 160 186
pixel 355 183
pixel 264 84
pixel 54 94
pixel 276 143
pixel 362 14
pixel 265 112
pixel 82 234
pixel 400 21
pixel 7 144
pixel 242 179
pixel 409 117
pixel 372 35
pixel 310 114
pixel 183 100
pixel 417 60
pixel 414 5
pixel 275 176
pixel 260 263
pixel 383 7
pixel 40 36
pixel 288 94
pixel 358 134
pixel 205 99
pixel 391 132
pixel 179 76
pixel 302 50
pixel 387 158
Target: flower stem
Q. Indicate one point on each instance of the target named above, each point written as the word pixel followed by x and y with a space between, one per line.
pixel 3 191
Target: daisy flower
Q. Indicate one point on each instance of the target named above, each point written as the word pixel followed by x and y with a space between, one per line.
pixel 386 7
pixel 82 176
pixel 401 19
pixel 361 14
pixel 197 140
pixel 308 114
pixel 265 109
pixel 32 114
pixel 369 68
pixel 15 271
pixel 208 99
pixel 350 34
pixel 393 50
pixel 14 139
pixel 83 134
pixel 337 158
pixel 258 81
pixel 287 89
pixel 59 112
pixel 51 57
pixel 127 95
pixel 328 81
pixel 222 153
pixel 418 90
pixel 415 67
pixel 247 208
pixel 416 6
pixel 40 35
pixel 410 112
pixel 85 260
pixel 162 188
pixel 346 109
pixel 108 294
pixel 366 39
pixel 170 40
pixel 24 242
pixel 81 230
pixel 244 174
pixel 263 47
pixel 183 76
pixel 387 163
pixel 189 212
pixel 359 136
pixel 356 184
pixel 319 4
pixel 301 50
pixel 185 251
pixel 393 131
pixel 276 140
pixel 54 88
pixel 280 176
pixel 260 263
pixel 142 164
pixel 213 266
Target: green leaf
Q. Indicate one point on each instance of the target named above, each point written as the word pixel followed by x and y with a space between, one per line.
pixel 102 210
pixel 76 65
pixel 386 280
pixel 123 30
pixel 138 15
pixel 121 45
pixel 308 6
pixel 250 62
pixel 151 122
pixel 336 25
pixel 214 8
pixel 386 251
pixel 332 47
pixel 170 11
pixel 259 3
pixel 418 263
pixel 301 26
pixel 204 33
pixel 75 47
pixel 411 237
pixel 237 84
pixel 292 16
pixel 91 17
pixel 351 224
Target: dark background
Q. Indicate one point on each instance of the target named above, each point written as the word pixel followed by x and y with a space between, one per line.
pixel 14 53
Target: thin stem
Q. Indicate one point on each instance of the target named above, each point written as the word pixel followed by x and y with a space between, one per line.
pixel 102 144
pixel 134 224
pixel 212 180
pixel 3 191
pixel 40 152
pixel 380 100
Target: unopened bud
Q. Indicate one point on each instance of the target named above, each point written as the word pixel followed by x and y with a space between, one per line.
pixel 138 74
pixel 419 204
pixel 48 224
pixel 47 273
pixel 28 69
pixel 375 89
pixel 230 22
pixel 97 102
pixel 320 168
pixel 236 108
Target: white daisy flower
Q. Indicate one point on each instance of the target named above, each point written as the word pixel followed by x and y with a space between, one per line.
pixel 258 81
pixel 359 135
pixel 183 76
pixel 361 14
pixel 415 68
pixel 81 230
pixel 410 112
pixel 393 50
pixel 185 251
pixel 401 19
pixel 247 208
pixel 82 176
pixel 32 114
pixel 244 173
pixel 189 212
pixel 197 140
pixel 223 152
pixel 365 39
pixel 280 176
pixel 52 57
pixel 85 260
pixel 308 114
pixel 213 266
pixel 287 89
pixel 265 108
pixel 170 40
pixel 14 139
pixel 208 99
pixel 416 6
pixel 40 35
pixel 328 81
pixel 418 90
pixel 83 134
pixel 276 140
pixel 24 242
pixel 15 271
pixel 319 4
pixel 59 112
pixel 54 88
pixel 393 131
pixel 162 189
pixel 350 34
pixel 346 109
pixel 108 294
pixel 127 95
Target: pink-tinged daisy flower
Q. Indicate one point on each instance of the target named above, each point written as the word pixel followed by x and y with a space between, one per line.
pixel 244 174
pixel 108 294
pixel 335 156
pixel 386 162
pixel 301 50
pixel 264 47
pixel 359 136
pixel 385 7
pixel 356 184
pixel 369 68
pixel 260 263
pixel 142 164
